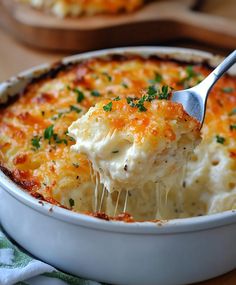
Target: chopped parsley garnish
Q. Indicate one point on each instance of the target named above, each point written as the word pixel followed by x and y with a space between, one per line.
pixel 76 165
pixel 116 99
pixel 71 139
pixel 140 104
pixel 233 112
pixel 108 107
pixel 232 127
pixel 48 133
pixel 142 108
pixel 192 77
pixel 220 139
pixel 157 79
pixel 58 116
pixel 190 71
pixel 80 95
pixel 36 142
pixel 164 94
pixel 152 94
pixel 227 89
pixel 72 202
pixel 76 109
pixel 95 93
pixel 130 101
pixel 124 85
pixel 108 76
pixel 58 140
pixel 152 91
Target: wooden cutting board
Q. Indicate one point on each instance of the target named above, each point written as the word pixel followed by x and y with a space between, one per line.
pixel 157 21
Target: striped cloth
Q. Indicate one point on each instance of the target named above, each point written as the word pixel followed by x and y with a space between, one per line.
pixel 16 267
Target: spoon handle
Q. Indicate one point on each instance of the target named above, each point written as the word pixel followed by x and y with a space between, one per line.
pixel 212 78
pixel 225 65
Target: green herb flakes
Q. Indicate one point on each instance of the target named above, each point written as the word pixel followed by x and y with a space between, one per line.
pixel 152 91
pixel 157 79
pixel 190 71
pixel 108 76
pixel 140 104
pixel 75 109
pixel 36 142
pixel 227 89
pixel 71 202
pixel 125 85
pixel 48 133
pixel 142 108
pixel 232 127
pixel 71 139
pixel 58 116
pixel 95 93
pixel 80 95
pixel 108 107
pixel 164 93
pixel 233 112
pixel 116 99
pixel 220 139
pixel 192 77
pixel 130 101
pixel 60 141
pixel 152 94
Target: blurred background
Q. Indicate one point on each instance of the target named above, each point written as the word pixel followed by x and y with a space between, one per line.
pixel 29 36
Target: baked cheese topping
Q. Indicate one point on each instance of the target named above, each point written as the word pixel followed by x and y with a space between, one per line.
pixel 35 149
pixel 63 8
pixel 135 142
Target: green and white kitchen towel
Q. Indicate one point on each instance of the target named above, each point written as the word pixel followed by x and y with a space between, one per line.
pixel 16 267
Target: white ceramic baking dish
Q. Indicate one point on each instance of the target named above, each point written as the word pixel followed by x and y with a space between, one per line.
pixel 173 252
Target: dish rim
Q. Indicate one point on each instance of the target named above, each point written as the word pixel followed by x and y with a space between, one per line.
pixel 162 227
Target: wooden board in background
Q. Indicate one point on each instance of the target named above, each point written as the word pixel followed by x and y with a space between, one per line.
pixel 156 21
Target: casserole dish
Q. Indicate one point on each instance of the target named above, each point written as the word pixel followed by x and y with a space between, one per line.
pixel 166 252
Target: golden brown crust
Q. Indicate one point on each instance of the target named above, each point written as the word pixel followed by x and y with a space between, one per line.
pixel 38 162
pixel 145 117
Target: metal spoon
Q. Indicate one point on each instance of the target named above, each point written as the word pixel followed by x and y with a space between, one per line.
pixel 194 99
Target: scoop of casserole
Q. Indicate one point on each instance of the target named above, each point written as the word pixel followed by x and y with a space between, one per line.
pixel 132 142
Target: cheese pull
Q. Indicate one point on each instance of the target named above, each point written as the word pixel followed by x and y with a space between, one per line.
pixel 133 142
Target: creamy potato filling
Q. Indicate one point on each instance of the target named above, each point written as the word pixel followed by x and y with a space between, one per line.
pixel 133 143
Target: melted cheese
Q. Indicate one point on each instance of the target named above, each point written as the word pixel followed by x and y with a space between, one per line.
pixel 48 169
pixel 130 149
